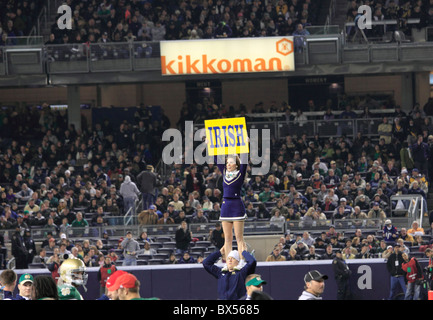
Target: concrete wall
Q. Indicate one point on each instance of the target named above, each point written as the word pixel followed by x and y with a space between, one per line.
pixel 250 92
pixel 369 280
pixel 372 84
pixel 263 245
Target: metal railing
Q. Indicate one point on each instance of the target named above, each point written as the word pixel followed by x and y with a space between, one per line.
pixel 408 208
pixel 331 12
pixel 323 128
pixel 383 24
pixel 155 230
pixel 145 56
pixel 130 218
pixel 327 29
pixel 24 41
pixel 102 57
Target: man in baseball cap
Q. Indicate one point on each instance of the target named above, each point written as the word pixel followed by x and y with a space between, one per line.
pixel 253 283
pixel 128 287
pixel 314 285
pixel 25 284
pixel 111 293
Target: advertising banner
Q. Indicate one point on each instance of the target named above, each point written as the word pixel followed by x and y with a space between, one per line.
pixel 221 56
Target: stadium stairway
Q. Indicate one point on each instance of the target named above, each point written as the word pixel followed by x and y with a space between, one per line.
pixel 323 12
pixel 51 19
pixel 429 207
pixel 340 13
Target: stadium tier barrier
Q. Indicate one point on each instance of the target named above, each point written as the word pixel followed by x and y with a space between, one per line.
pixel 370 280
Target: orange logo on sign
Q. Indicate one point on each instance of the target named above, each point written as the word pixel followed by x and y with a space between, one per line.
pixel 285 47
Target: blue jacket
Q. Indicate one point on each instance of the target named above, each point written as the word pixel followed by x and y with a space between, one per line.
pixel 231 285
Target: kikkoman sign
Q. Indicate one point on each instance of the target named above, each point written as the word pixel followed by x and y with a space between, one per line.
pixel 219 56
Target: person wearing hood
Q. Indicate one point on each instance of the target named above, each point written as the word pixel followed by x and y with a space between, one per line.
pixel 129 192
pixel 390 233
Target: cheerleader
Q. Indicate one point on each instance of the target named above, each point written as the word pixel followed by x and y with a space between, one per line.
pixel 233 213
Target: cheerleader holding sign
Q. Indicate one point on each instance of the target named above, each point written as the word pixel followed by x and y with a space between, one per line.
pixel 233 169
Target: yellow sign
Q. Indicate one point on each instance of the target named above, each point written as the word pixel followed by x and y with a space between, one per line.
pixel 234 55
pixel 226 136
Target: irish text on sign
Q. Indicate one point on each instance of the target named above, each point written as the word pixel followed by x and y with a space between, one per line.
pixel 226 136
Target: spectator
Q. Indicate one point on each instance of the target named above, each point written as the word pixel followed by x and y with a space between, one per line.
pixel 183 237
pixel 277 220
pixel 397 274
pixel 376 214
pixel 147 182
pixel 420 154
pixel 186 258
pixel 275 255
pixel 131 249
pixel 200 217
pixel 147 217
pixel 312 255
pixel 217 236
pixel 129 192
pixel 41 257
pixel 147 250
pixel 79 225
pixel 299 34
pixel 390 233
pixel 166 219
pixel 415 230
pixel 104 272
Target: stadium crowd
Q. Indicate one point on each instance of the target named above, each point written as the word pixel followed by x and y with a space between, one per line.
pixel 54 177
pixel 401 11
pixel 17 18
pixel 120 21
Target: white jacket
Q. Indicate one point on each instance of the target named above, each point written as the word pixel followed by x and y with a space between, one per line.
pixel 128 189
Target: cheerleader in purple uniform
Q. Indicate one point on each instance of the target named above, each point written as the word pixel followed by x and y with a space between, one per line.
pixel 233 213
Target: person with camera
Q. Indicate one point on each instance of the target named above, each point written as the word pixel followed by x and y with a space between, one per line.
pixel 53 265
pixel 131 249
pixel 414 277
pixel 429 268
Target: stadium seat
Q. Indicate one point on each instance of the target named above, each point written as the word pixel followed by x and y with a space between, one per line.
pixel 167 251
pixel 155 261
pixel 162 239
pixel 199 250
pixel 169 244
pixel 203 243
pixel 161 256
pixel 144 257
